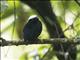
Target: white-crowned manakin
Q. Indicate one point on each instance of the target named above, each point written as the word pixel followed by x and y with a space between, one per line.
pixel 32 29
pixel 44 9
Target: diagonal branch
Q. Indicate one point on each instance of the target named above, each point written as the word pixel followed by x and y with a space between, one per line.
pixel 77 1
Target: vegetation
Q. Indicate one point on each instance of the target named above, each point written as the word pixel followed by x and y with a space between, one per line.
pixel 14 15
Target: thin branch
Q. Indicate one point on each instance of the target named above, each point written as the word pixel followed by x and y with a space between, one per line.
pixel 44 41
pixel 78 2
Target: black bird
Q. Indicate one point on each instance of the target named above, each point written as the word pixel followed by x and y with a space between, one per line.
pixel 45 10
pixel 32 29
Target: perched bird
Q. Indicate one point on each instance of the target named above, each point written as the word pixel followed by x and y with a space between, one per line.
pixel 32 29
pixel 45 10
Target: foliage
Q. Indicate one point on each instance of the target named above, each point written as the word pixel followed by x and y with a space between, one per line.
pixel 14 17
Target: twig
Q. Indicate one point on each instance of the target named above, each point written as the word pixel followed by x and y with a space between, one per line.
pixel 38 41
pixel 78 2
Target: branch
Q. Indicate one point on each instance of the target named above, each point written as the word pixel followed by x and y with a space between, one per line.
pixel 78 2
pixel 3 42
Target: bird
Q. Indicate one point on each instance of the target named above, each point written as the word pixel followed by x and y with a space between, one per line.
pixel 45 10
pixel 32 29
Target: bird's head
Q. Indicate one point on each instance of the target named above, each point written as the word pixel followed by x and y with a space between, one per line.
pixel 33 19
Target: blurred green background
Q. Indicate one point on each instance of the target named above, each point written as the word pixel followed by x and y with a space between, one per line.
pixel 13 17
